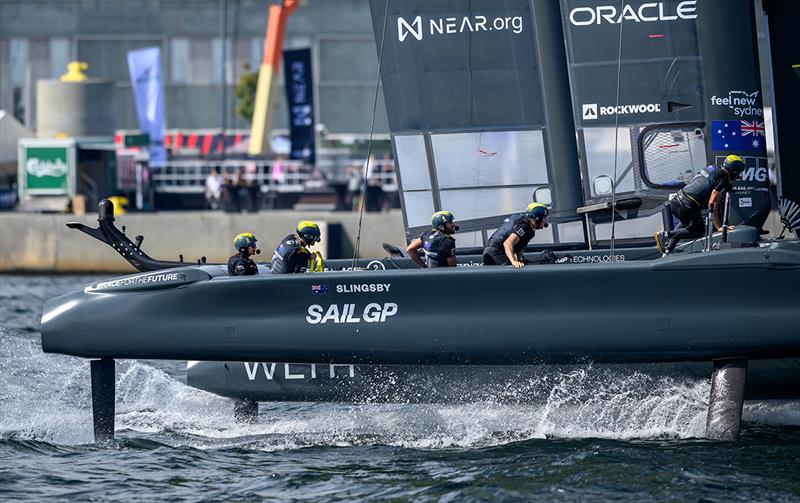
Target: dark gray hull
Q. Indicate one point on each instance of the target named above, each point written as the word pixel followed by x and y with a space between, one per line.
pixel 271 381
pixel 625 312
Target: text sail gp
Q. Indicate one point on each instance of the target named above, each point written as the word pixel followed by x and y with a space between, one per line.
pixel 350 313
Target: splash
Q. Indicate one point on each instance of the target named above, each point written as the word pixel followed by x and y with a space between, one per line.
pixel 47 398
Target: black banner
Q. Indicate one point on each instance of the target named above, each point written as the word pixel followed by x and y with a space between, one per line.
pixel 300 101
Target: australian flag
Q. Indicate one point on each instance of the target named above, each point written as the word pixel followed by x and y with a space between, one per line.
pixel 738 135
pixel 320 289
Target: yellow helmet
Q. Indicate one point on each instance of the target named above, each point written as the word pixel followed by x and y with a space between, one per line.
pixel 734 164
pixel 309 231
pixel 244 240
pixel 440 219
pixel 537 211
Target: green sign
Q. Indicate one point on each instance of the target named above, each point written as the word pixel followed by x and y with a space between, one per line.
pixel 137 140
pixel 46 170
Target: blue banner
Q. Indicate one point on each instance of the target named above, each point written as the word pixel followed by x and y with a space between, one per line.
pixel 738 135
pixel 145 69
pixel 300 100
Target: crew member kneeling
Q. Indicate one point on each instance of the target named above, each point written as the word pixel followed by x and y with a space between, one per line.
pixel 510 239
pixel 293 255
pixel 241 264
pixel 438 244
pixel 703 190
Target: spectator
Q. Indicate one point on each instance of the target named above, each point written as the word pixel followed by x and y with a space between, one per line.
pixel 214 189
pixel 391 199
pixel 278 174
pixel 230 192
pixel 354 182
pixel 251 186
pixel 374 194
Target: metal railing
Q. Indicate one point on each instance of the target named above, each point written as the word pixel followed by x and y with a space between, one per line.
pixel 189 177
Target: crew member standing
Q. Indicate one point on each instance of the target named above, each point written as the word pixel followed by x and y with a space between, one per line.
pixel 241 264
pixel 293 254
pixel 702 191
pixel 510 239
pixel 438 244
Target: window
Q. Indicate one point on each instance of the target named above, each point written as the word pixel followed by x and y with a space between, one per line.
pixel 179 60
pixel 217 60
pixel 201 62
pixel 600 158
pixel 19 72
pixel 59 56
pixel 499 158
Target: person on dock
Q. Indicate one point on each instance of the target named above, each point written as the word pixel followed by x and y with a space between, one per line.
pixel 702 191
pixel 241 264
pixel 438 244
pixel 293 254
pixel 506 245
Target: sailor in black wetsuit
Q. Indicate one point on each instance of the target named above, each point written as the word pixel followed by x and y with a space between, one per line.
pixel 241 264
pixel 438 244
pixel 510 239
pixel 702 191
pixel 293 255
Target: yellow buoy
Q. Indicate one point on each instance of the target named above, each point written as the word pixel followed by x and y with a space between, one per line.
pixel 75 71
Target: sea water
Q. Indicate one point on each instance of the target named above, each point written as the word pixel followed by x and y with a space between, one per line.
pixel 593 432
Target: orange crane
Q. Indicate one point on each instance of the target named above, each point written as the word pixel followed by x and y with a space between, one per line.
pixel 266 92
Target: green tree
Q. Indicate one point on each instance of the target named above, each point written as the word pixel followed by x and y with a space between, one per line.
pixel 246 95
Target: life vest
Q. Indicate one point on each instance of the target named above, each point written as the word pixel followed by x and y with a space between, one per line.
pixel 291 256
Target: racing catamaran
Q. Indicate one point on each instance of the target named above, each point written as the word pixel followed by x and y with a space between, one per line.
pixel 484 101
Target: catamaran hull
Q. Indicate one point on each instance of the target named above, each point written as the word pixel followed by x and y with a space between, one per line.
pixel 272 381
pixel 736 303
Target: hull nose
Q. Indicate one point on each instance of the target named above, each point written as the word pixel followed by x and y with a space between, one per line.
pixel 62 320
pixel 208 376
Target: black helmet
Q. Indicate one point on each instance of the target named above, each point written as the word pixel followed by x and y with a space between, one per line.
pixel 440 219
pixel 244 240
pixel 309 231
pixel 537 211
pixel 734 164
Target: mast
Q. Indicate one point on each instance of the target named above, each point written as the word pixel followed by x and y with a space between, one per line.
pixel 561 149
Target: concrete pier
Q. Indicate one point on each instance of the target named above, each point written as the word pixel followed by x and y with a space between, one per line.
pixel 43 243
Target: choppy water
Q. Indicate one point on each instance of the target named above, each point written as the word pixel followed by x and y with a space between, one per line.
pixel 597 433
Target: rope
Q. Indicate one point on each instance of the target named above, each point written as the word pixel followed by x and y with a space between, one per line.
pixel 369 143
pixel 616 140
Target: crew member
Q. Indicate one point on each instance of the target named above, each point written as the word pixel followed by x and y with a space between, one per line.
pixel 702 191
pixel 438 244
pixel 510 239
pixel 241 264
pixel 293 253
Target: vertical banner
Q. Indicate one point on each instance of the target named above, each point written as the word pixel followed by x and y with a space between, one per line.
pixel 734 109
pixel 300 100
pixel 145 69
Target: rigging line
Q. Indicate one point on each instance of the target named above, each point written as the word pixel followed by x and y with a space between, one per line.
pixel 369 143
pixel 616 140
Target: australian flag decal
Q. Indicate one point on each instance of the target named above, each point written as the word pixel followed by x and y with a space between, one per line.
pixel 320 289
pixel 738 135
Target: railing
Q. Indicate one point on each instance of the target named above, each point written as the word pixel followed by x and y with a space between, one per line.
pixel 190 177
